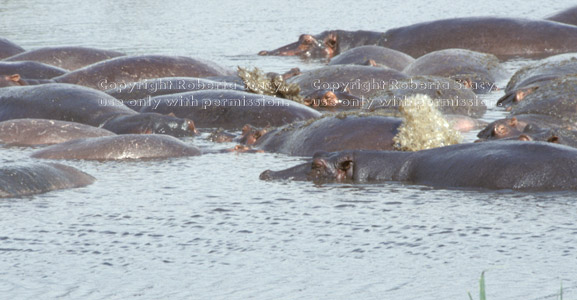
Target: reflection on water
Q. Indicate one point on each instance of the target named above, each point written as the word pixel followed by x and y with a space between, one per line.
pixel 206 227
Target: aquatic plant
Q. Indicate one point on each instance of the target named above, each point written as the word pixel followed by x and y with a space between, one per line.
pixel 273 85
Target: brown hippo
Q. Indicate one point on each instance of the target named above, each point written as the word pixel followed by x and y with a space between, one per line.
pixel 31 132
pixel 120 71
pixel 37 178
pixel 513 126
pixel 503 37
pixel 134 95
pixel 368 55
pixel 30 69
pixel 329 133
pixel 476 70
pixel 7 48
pixel 230 109
pixel 529 78
pixel 68 102
pixel 516 165
pixel 449 96
pixel 117 147
pixel 356 80
pixel 69 58
pixel 568 16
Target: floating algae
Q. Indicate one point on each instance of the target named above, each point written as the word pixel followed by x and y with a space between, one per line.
pixel 424 127
pixel 259 83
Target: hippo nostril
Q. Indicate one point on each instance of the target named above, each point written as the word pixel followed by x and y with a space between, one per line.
pixel 191 127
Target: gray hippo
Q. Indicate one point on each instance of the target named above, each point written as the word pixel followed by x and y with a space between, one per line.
pixel 30 69
pixel 134 95
pixel 120 71
pixel 516 165
pixel 37 178
pixel 7 48
pixel 567 16
pixel 68 57
pixel 373 55
pixel 32 132
pixel 329 133
pixel 230 109
pixel 118 147
pixel 476 70
pixel 503 37
pixel 529 78
pixel 68 102
pixel 449 96
pixel 515 125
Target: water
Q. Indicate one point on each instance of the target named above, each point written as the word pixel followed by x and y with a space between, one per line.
pixel 206 227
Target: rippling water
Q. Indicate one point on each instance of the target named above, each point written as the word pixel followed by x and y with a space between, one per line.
pixel 206 227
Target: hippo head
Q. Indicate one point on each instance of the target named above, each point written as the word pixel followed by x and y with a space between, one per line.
pixel 513 97
pixel 502 129
pixel 325 167
pixel 323 45
pixel 150 123
pixel 11 80
pixel 251 134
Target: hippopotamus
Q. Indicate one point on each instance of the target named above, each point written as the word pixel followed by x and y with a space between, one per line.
pixel 134 95
pixel 556 98
pixel 513 126
pixel 503 37
pixel 329 133
pixel 532 132
pixel 37 178
pixel 30 69
pixel 7 48
pixel 32 132
pixel 69 58
pixel 568 16
pixel 516 165
pixel 373 55
pixel 356 80
pixel 529 78
pixel 230 109
pixel 476 70
pixel 68 102
pixel 123 70
pixel 449 96
pixel 118 147
pixel 333 100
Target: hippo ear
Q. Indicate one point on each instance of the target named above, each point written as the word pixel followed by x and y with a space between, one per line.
pixel 331 40
pixel 14 77
pixel 513 122
pixel 171 114
pixel 553 139
pixel 524 138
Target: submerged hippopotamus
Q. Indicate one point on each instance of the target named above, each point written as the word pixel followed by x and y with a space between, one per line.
pixel 515 125
pixel 7 48
pixel 529 78
pixel 68 102
pixel 568 16
pixel 535 166
pixel 30 69
pixel 31 132
pixel 503 37
pixel 37 178
pixel 230 109
pixel 69 58
pixel 358 81
pixel 476 70
pixel 449 96
pixel 373 55
pixel 134 95
pixel 117 147
pixel 120 71
pixel 329 133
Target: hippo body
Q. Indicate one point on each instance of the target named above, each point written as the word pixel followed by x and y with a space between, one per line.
pixel 331 133
pixel 73 103
pixel 37 178
pixel 567 16
pixel 381 56
pixel 120 71
pixel 31 132
pixel 7 48
pixel 68 58
pixel 477 70
pixel 514 126
pixel 30 69
pixel 118 147
pixel 230 109
pixel 516 165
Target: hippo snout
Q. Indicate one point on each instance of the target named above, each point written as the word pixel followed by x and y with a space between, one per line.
pixel 263 52
pixel 265 175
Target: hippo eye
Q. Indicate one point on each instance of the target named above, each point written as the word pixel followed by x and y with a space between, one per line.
pixel 345 165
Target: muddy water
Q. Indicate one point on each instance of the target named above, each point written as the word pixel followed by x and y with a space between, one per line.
pixel 206 227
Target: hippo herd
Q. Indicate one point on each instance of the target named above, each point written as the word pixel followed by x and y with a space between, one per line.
pixel 78 103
